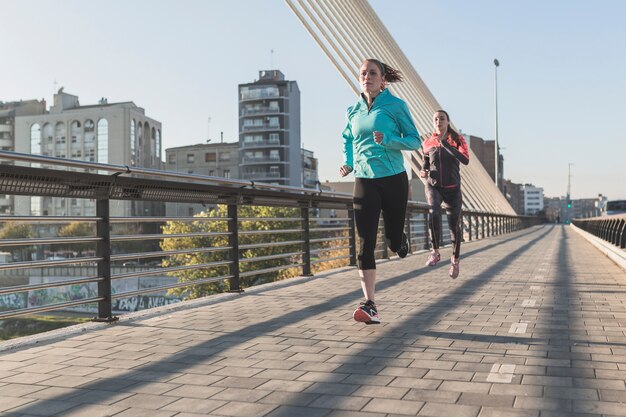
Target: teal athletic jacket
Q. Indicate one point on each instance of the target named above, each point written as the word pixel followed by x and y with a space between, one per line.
pixel 388 115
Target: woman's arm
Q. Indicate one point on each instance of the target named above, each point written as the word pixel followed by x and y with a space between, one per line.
pixel 347 147
pixel 461 154
pixel 409 139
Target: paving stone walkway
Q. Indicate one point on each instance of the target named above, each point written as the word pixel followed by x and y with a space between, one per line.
pixel 535 326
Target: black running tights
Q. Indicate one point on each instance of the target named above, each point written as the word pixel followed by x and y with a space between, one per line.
pixel 371 196
pixel 451 197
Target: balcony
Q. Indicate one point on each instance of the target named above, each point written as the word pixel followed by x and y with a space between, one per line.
pixel 262 110
pixel 264 126
pixel 261 175
pixel 257 159
pixel 258 94
pixel 262 143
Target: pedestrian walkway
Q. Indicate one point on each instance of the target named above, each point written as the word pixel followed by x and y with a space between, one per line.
pixel 535 326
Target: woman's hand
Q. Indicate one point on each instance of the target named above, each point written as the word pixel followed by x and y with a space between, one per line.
pixel 345 170
pixel 378 136
pixel 423 173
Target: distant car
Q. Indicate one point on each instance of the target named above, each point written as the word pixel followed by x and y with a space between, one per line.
pixel 130 263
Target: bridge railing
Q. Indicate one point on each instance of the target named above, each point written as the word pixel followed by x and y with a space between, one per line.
pixel 609 228
pixel 109 264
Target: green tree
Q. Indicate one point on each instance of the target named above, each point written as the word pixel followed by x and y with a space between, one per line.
pixel 12 230
pixel 258 216
pixel 77 229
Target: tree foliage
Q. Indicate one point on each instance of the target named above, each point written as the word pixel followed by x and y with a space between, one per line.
pixel 76 229
pixel 258 222
pixel 12 230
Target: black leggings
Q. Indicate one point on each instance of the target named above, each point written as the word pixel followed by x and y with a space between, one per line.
pixel 453 203
pixel 371 195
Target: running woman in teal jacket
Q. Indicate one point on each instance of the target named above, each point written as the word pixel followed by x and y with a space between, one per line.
pixel 379 127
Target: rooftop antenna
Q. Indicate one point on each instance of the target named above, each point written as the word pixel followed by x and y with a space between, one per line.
pixel 208 130
pixel 222 137
pixel 55 85
pixel 271 59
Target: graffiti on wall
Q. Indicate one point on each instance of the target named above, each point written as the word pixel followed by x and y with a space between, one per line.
pixel 12 301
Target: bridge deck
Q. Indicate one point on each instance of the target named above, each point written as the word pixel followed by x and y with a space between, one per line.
pixel 534 326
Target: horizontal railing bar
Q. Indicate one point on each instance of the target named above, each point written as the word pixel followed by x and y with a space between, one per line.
pixel 142 255
pixel 270 244
pixel 31 287
pixel 48 219
pixel 169 269
pixel 276 268
pixel 268 257
pixel 330 219
pixel 50 307
pixel 163 219
pixel 328 229
pixel 329 239
pixel 319 261
pixel 47 241
pixel 125 169
pixel 263 232
pixel 270 219
pixel 330 249
pixel 121 238
pixel 168 287
pixel 42 264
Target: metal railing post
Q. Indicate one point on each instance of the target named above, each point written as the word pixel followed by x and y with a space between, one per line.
pixel 352 236
pixel 384 240
pixel 103 250
pixel 426 233
pixel 407 228
pixel 306 244
pixel 482 224
pixel 233 242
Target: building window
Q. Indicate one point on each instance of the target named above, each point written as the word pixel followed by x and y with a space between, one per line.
pixel 89 126
pixel 211 172
pixel 153 147
pixel 133 142
pixel 35 139
pixel 227 173
pixel 59 134
pixel 158 145
pixel 210 157
pixel 103 141
pixel 191 158
pixel 172 159
pixel 225 156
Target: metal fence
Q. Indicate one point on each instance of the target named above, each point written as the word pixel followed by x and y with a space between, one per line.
pixel 224 249
pixel 609 228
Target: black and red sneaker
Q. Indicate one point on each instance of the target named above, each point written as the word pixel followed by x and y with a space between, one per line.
pixel 367 313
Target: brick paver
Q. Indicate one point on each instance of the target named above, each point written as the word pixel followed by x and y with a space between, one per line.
pixel 534 326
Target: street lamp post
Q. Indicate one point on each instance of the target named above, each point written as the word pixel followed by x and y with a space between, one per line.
pixel 496 63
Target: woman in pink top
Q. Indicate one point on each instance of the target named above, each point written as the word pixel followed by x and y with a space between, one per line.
pixel 444 150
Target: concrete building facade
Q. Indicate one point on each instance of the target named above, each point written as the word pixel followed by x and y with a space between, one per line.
pixel 269 130
pixel 485 152
pixel 116 133
pixel 8 112
pixel 212 159
pixel 533 199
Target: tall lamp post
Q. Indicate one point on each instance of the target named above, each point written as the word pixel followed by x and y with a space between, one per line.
pixel 496 63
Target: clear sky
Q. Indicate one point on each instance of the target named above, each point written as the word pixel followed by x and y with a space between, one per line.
pixel 561 80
